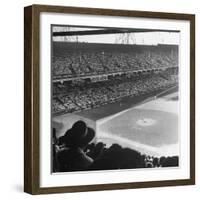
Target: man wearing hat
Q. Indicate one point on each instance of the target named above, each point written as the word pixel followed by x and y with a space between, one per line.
pixel 73 157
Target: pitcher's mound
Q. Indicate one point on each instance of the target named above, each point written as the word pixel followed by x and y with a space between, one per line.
pixel 146 122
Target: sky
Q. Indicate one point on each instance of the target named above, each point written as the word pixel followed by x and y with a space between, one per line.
pixel 149 38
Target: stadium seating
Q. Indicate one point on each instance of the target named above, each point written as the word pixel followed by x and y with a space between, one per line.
pixel 86 76
pixel 69 99
pixel 88 63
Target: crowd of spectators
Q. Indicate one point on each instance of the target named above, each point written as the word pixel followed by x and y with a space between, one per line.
pixel 101 63
pixel 70 153
pixel 70 98
pixel 93 63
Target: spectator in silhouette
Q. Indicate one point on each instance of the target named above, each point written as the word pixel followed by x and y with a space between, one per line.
pixel 110 159
pixel 75 140
pixel 170 162
pixel 162 160
pixel 155 162
pixel 95 150
pixel 117 157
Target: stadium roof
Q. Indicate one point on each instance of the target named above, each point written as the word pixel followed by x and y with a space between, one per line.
pixel 110 31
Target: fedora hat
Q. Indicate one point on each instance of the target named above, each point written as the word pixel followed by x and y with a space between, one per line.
pixel 79 135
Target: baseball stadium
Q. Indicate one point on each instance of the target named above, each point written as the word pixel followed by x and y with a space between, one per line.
pixel 124 89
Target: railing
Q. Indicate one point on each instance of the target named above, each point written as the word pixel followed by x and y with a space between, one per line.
pixel 78 76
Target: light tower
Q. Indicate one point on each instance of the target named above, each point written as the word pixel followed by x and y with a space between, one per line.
pixel 125 38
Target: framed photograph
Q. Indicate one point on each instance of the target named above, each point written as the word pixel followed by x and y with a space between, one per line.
pixel 109 99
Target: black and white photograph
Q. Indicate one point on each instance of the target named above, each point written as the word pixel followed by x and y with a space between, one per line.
pixel 114 98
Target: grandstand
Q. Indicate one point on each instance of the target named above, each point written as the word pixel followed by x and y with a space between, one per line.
pixel 75 60
pixel 116 70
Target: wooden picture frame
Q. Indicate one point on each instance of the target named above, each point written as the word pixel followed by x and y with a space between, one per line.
pixel 32 107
